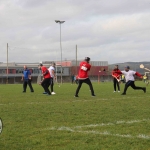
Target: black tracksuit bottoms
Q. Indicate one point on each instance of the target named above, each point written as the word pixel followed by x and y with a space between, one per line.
pixel 131 83
pixel 45 84
pixel 87 81
pixel 116 83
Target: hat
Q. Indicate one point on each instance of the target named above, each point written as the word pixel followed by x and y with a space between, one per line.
pixel 40 64
pixel 87 59
pixel 127 67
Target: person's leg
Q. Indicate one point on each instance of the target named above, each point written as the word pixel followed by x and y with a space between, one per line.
pixel 24 85
pixel 51 84
pixel 126 87
pixel 114 81
pixel 137 87
pixel 76 81
pixel 45 84
pixel 78 88
pixel 118 85
pixel 88 81
pixel 30 85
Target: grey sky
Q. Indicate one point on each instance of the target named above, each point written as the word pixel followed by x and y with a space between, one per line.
pixel 110 30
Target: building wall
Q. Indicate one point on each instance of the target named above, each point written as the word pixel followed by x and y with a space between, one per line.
pixel 15 70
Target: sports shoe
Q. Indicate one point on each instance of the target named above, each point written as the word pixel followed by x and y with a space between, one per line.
pixel 76 96
pixel 123 94
pixel 114 91
pixel 93 95
pixel 53 93
pixel 144 89
pixel 118 91
pixel 32 91
pixel 48 94
pixel 23 91
pixel 44 92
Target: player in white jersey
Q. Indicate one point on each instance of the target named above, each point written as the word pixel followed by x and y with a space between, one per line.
pixel 129 76
pixel 53 76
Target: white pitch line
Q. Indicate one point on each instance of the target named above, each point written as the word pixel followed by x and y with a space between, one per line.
pixel 117 135
pixel 74 129
pixel 141 136
pixel 110 124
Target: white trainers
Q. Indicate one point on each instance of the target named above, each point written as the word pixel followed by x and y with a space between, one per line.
pixel 53 93
pixel 114 91
pixel 118 91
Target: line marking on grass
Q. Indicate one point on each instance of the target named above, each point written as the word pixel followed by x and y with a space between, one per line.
pixel 116 123
pixel 141 136
pixel 78 129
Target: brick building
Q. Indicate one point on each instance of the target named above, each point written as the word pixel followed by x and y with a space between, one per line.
pixel 14 72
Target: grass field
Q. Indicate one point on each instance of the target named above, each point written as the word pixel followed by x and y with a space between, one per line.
pixel 33 121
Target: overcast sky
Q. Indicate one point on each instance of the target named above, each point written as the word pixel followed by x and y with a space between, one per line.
pixel 104 30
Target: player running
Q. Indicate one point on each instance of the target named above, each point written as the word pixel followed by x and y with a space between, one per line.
pixel 129 76
pixel 83 76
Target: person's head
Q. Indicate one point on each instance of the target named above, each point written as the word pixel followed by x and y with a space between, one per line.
pixel 87 59
pixel 127 68
pixel 25 67
pixel 40 65
pixel 116 67
pixel 53 64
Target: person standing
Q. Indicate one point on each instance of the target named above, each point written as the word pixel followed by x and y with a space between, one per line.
pixel 51 69
pixel 145 78
pixel 116 78
pixel 129 76
pixel 72 78
pixel 46 79
pixel 26 78
pixel 76 77
pixel 83 76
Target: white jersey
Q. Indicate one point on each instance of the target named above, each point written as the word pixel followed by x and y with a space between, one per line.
pixel 51 69
pixel 129 75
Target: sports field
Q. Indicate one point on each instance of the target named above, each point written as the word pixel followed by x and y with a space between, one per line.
pixel 33 121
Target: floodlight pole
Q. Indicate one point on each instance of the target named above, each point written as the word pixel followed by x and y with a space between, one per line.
pixel 60 22
pixel 7 65
pixel 76 61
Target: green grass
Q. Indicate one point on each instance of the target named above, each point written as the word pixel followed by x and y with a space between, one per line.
pixel 33 121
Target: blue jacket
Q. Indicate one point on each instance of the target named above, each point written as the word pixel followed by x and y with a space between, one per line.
pixel 26 74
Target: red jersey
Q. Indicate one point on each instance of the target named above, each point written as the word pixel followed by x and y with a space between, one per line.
pixel 115 73
pixel 45 72
pixel 83 71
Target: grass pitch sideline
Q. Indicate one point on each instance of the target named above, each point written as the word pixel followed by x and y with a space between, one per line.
pixel 107 121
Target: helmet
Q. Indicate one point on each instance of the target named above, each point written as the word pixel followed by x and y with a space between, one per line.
pixel 87 59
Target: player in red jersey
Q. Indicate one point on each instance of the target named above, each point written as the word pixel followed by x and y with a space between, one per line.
pixel 116 78
pixel 83 76
pixel 46 79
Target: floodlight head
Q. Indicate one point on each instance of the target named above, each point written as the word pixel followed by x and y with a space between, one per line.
pixel 57 21
pixel 62 21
